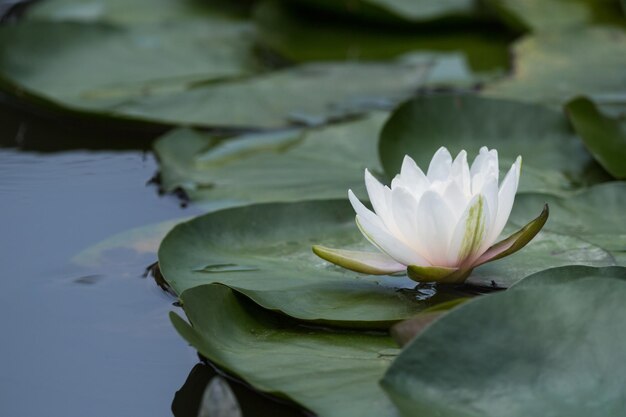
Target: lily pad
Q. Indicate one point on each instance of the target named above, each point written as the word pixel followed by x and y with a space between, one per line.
pixel 264 251
pixel 555 15
pixel 548 67
pixel 309 94
pixel 525 352
pixel 121 12
pixel 299 36
pixel 558 163
pixel 604 137
pixel 566 274
pixel 595 214
pixel 332 373
pixel 100 66
pixel 283 166
pixel 547 250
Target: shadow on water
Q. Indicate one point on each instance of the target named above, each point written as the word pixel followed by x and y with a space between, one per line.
pixel 188 399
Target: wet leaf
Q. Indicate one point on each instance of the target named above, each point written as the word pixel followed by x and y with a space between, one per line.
pixel 522 352
pixel 331 373
pixel 555 15
pixel 555 160
pixel 99 67
pixel 264 251
pixel 283 166
pixel 548 68
pixel 604 137
pixel 566 274
pixel 267 248
pixel 301 36
pixel 595 214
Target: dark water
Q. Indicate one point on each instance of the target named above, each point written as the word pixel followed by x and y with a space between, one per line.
pixel 84 333
pixel 81 340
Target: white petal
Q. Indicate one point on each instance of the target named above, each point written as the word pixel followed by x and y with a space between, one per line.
pixel 485 166
pixel 389 244
pixel 439 168
pixel 469 233
pixel 435 224
pixel 380 197
pixel 490 193
pixel 363 211
pixel 405 209
pixel 457 200
pixel 460 172
pixel 506 197
pixel 411 177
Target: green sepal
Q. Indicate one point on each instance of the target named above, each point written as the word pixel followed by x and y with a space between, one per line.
pixel 439 274
pixel 372 263
pixel 516 241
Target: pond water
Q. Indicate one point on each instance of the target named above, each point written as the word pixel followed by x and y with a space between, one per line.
pixel 88 336
pixel 81 341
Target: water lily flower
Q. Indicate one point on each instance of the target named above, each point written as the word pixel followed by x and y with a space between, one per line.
pixel 440 225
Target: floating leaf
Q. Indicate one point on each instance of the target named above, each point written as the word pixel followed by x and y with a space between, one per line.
pixel 557 161
pixel 604 137
pixel 283 166
pixel 595 214
pixel 554 15
pixel 566 274
pixel 300 36
pixel 267 248
pixel 121 12
pixel 548 67
pixel 331 373
pixel 264 252
pixel 98 67
pixel 309 94
pixel 526 352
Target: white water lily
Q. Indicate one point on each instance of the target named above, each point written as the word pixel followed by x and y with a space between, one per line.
pixel 440 225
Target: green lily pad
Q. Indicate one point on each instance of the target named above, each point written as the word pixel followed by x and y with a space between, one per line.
pixel 566 274
pixel 526 352
pixel 309 94
pixel 299 36
pixel 331 373
pixel 555 15
pixel 99 66
pixel 283 166
pixel 546 250
pixel 604 137
pixel 595 214
pixel 264 251
pixel 76 66
pixel 117 11
pixel 548 67
pixel 558 161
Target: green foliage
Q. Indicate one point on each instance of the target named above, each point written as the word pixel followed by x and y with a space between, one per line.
pixel 277 109
pixel 331 373
pixel 555 161
pixel 525 352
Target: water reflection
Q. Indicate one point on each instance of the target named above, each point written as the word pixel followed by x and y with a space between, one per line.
pixel 188 399
pixel 83 335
